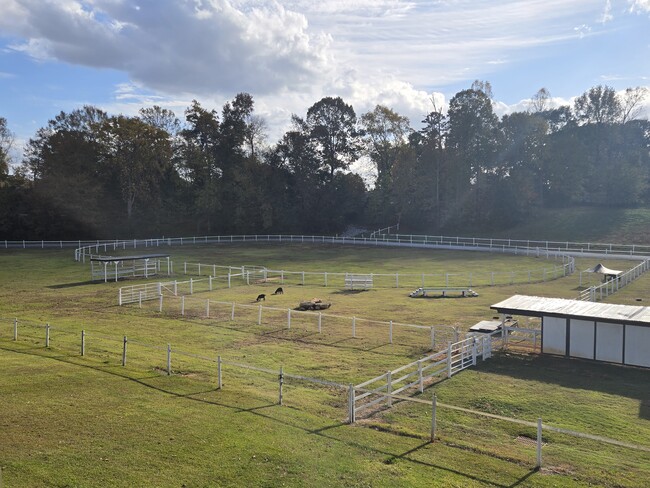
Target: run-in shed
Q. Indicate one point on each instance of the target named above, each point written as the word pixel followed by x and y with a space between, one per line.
pixel 600 331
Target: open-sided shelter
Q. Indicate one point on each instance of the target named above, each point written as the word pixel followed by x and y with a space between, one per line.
pixel 105 268
pixel 599 331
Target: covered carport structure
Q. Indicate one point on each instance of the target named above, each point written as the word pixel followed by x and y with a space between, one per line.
pixel 600 331
pixel 105 268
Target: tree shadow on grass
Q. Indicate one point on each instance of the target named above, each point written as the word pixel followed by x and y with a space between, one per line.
pixel 267 411
pixel 73 285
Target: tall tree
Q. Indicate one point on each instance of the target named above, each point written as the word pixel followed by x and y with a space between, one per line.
pixel 541 101
pixel 138 154
pixel 631 103
pixel 599 105
pixel 6 142
pixel 332 124
pixel 473 139
pixel 385 133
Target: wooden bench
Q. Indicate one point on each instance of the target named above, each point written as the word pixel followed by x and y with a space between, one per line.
pixel 358 282
pixel 444 292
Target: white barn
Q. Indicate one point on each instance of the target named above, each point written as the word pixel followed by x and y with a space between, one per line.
pixel 599 331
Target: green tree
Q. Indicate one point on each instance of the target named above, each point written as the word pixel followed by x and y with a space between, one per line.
pixel 138 155
pixel 385 134
pixel 6 142
pixel 599 105
pixel 332 124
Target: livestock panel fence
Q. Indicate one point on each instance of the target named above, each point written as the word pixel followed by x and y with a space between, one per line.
pixel 270 383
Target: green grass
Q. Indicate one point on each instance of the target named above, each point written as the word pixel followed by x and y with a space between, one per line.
pixel 86 421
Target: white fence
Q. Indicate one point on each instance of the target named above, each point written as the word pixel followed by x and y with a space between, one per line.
pixel 155 291
pixel 595 293
pixel 429 336
pixel 430 369
pixel 387 388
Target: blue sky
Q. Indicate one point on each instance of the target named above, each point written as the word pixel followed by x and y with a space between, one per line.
pixel 123 55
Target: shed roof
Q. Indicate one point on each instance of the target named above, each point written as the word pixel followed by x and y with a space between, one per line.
pixel 606 312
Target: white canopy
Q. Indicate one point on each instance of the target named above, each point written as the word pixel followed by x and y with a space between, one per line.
pixel 599 268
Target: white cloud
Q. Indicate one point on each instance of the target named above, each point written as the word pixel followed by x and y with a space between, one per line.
pixel 290 54
pixel 639 6
pixel 607 13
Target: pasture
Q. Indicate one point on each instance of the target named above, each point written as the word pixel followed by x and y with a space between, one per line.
pixel 87 421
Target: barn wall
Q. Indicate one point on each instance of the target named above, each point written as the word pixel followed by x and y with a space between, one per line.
pixel 583 337
pixel 609 342
pixel 554 335
pixel 637 345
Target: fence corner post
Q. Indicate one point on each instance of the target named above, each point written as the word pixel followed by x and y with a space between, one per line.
pixel 124 351
pixel 16 329
pixel 47 335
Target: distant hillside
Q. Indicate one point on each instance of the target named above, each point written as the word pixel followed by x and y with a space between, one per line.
pixel 588 224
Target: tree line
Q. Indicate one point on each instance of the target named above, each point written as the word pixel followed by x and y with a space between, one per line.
pixel 88 174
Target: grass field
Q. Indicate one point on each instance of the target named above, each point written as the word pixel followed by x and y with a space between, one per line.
pixel 86 421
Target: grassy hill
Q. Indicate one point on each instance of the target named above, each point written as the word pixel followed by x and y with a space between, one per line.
pixel 579 224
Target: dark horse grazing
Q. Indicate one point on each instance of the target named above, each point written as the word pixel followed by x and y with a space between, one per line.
pixel 279 291
pixel 261 297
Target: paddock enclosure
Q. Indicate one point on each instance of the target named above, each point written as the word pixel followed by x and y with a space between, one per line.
pixel 266 355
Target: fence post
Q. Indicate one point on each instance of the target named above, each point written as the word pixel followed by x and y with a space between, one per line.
pixel 326 279
pixel 259 316
pixel 434 405
pixel 281 381
pixel 303 278
pixel 83 342
pixel 124 342
pixel 449 373
pixel 539 444
pixel 289 319
pixel 119 297
pixel 351 394
pixel 389 388
pixel 183 305
pixel 354 327
pixel 390 332
pixel 140 299
pixel 219 384
pixel 228 277
pixel 175 288
pixel 47 335
pixel 232 313
pixel 160 305
pixel 210 282
pixel 396 280
pixel 433 339
pixel 455 334
pixel 207 308
pixel 169 359
pixel 16 329
pixel 420 378
pixel 191 286
pixel 320 322
pixel 474 351
pixel 185 268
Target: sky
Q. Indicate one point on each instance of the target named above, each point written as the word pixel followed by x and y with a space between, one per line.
pixel 122 55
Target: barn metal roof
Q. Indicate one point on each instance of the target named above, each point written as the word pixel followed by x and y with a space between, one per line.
pixel 608 312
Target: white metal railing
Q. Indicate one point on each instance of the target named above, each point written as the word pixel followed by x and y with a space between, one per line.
pixel 85 247
pixel 595 293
